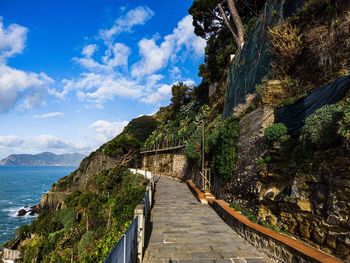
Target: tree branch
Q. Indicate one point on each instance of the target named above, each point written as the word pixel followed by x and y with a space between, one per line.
pixel 237 22
pixel 227 22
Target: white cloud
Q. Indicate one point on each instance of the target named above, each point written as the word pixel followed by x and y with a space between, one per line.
pixel 12 144
pixel 89 50
pixel 180 44
pixel 137 16
pixel 18 88
pixel 108 76
pixel 10 141
pixel 98 88
pixel 162 92
pixel 106 130
pixel 116 55
pixel 17 85
pixel 12 40
pixel 49 115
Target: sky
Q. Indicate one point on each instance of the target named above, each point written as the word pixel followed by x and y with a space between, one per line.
pixel 74 73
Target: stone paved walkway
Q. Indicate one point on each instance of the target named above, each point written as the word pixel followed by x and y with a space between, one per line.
pixel 183 230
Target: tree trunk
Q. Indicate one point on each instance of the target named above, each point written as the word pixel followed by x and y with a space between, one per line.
pixel 227 22
pixel 87 221
pixel 109 218
pixel 237 22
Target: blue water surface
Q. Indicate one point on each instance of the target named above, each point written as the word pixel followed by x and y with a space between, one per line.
pixel 22 186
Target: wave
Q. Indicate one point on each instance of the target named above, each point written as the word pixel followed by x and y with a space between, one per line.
pixel 13 211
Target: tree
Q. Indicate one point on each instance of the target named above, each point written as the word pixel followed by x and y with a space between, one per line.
pixel 180 95
pixel 209 16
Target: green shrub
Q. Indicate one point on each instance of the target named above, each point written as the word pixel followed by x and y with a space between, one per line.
pixel 274 132
pixel 193 147
pixel 344 126
pixel 86 243
pixel 321 127
pixel 67 218
pixel 225 150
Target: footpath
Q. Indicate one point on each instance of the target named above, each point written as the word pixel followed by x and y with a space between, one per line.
pixel 184 230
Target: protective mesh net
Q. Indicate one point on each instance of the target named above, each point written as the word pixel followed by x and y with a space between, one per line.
pixel 253 63
pixel 293 116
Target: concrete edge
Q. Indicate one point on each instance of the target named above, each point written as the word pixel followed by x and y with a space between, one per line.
pixel 235 219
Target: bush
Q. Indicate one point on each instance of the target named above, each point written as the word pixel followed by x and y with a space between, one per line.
pixel 86 243
pixel 321 127
pixel 193 147
pixel 67 218
pixel 344 126
pixel 286 46
pixel 274 132
pixel 225 150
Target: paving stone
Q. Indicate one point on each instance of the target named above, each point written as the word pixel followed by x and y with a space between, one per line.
pixel 186 231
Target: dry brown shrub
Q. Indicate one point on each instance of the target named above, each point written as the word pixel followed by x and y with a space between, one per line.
pixel 286 46
pixel 329 45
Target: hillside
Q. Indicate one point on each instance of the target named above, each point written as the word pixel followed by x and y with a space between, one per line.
pixel 274 108
pixel 43 159
pixel 86 212
pixel 275 114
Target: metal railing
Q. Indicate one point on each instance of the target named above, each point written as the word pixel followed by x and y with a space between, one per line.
pixel 165 145
pixel 126 249
pixel 130 246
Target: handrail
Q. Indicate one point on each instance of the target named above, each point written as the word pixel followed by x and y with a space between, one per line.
pixel 166 145
pixel 130 246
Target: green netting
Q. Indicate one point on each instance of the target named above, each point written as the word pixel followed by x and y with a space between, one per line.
pixel 253 63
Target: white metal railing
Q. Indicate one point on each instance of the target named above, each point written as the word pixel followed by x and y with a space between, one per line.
pixel 130 246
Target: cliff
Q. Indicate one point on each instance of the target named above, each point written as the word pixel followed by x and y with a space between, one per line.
pixel 98 162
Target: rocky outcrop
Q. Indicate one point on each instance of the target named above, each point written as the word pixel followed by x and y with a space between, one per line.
pixel 244 186
pixel 310 200
pixel 9 255
pixel 52 200
pixel 95 163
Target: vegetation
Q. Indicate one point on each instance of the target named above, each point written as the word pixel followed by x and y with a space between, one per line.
pixel 225 153
pixel 308 50
pixel 274 132
pixel 321 126
pixel 90 225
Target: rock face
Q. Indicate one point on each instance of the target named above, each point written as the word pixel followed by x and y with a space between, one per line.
pixel 313 201
pixel 21 212
pixel 244 185
pixel 309 199
pixel 95 163
pixel 52 200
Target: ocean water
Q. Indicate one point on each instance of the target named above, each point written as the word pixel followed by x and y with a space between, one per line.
pixel 22 186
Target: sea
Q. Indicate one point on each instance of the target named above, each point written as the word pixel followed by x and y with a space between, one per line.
pixel 20 187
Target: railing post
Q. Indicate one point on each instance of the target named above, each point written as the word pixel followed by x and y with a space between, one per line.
pixel 124 248
pixel 149 190
pixel 139 213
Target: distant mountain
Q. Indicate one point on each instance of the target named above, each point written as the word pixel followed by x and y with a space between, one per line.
pixel 43 159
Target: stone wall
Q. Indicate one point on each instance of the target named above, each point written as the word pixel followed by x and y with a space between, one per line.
pixel 166 164
pixel 309 199
pixel 244 186
pixel 277 246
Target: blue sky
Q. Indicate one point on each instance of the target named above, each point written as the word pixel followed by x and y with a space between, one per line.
pixel 73 73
